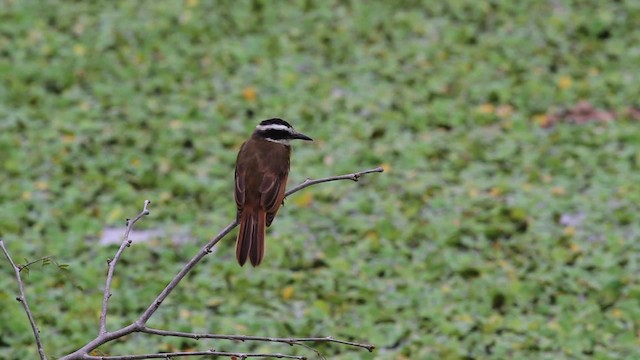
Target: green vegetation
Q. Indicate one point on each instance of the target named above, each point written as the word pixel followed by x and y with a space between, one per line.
pixel 494 234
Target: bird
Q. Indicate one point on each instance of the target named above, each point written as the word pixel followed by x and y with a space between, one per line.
pixel 262 168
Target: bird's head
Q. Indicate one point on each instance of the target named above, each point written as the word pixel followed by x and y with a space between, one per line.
pixel 278 131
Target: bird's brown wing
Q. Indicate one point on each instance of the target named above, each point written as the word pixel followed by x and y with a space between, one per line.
pixel 272 190
pixel 239 193
pixel 240 188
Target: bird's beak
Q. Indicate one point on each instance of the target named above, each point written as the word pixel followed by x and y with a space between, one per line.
pixel 301 136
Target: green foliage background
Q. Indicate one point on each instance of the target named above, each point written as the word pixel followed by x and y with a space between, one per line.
pixel 488 237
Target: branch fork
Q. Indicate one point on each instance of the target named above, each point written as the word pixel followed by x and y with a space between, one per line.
pixel 22 299
pixel 139 325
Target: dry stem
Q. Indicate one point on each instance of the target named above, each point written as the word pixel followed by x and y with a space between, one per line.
pixel 23 300
pixel 112 266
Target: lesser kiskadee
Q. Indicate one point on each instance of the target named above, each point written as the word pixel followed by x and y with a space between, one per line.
pixel 262 168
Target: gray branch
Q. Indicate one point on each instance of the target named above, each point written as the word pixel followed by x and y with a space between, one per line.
pixel 211 352
pixel 112 266
pixel 289 341
pixel 23 300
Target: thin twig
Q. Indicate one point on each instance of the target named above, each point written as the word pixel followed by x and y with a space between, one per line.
pixel 23 300
pixel 140 323
pixel 290 341
pixel 354 177
pixel 112 266
pixel 212 352
pixel 142 320
pixel 33 262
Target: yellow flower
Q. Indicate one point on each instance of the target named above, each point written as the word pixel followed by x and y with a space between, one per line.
pixel 304 200
pixel 287 292
pixel 79 50
pixel 541 119
pixel 570 231
pixel 573 246
pixel 564 82
pixel 617 313
pixel 249 93
pixel 42 185
pixel 486 108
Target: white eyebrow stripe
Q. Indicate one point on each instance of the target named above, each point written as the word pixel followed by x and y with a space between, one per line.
pixel 273 127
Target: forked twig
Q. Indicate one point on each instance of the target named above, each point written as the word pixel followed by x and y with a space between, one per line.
pixel 43 259
pixel 22 298
pixel 112 266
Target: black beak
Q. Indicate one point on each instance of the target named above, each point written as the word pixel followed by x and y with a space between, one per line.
pixel 301 136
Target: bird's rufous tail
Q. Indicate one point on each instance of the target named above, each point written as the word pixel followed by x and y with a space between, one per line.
pixel 250 241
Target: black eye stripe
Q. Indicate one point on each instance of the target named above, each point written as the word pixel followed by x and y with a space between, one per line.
pixel 275 134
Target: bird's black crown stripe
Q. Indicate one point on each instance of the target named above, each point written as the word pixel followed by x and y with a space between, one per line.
pixel 275 121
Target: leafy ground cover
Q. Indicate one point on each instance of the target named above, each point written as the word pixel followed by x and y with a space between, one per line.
pixel 503 228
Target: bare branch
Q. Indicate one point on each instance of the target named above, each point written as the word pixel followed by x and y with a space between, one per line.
pixel 354 177
pixel 182 273
pixel 207 248
pixel 290 341
pixel 23 300
pixel 140 324
pixel 112 266
pixel 211 352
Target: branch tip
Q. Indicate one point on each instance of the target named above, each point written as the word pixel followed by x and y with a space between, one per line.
pixel 353 176
pixel 145 208
pixel 126 242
